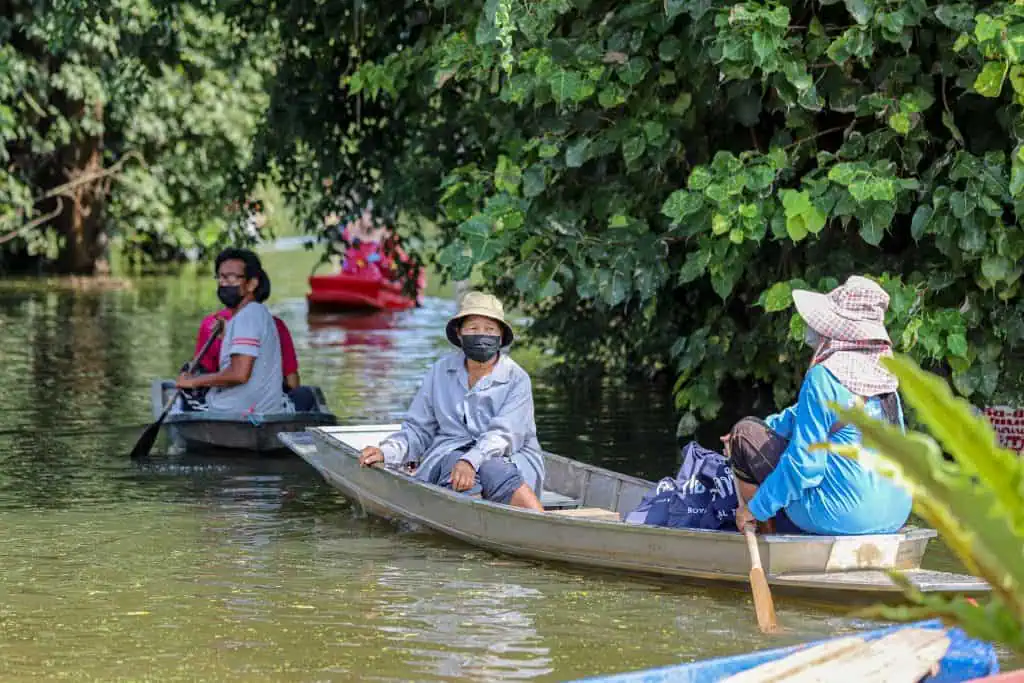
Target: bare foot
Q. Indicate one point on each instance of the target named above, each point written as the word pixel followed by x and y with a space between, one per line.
pixel 524 497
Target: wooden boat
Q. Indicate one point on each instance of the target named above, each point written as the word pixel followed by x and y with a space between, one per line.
pixel 901 653
pixel 208 431
pixel 360 291
pixel 583 526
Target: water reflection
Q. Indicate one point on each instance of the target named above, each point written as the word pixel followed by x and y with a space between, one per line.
pixel 192 568
pixel 461 628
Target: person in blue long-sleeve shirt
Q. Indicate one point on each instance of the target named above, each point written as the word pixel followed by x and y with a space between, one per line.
pixel 778 476
pixel 471 426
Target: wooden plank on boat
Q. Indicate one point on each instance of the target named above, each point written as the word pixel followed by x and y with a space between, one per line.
pixel 589 513
pixel 552 500
pixel 779 668
pixel 905 656
pixel 925 580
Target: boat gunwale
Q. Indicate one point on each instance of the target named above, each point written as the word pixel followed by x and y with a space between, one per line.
pixel 225 417
pixel 907 534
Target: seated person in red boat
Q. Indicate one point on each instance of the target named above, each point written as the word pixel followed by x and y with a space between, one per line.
pixel 301 397
pixel 363 255
pixel 374 250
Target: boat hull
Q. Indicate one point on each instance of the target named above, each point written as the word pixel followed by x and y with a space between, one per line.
pixel 1007 677
pixel 233 433
pixel 228 433
pixel 965 660
pixel 800 563
pixel 342 292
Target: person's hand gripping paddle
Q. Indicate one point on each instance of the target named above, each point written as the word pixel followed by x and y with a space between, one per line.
pixel 145 443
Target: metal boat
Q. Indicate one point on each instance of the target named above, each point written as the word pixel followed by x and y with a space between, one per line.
pixel 582 525
pixel 237 433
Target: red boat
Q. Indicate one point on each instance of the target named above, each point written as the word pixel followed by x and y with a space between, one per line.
pixel 1008 677
pixel 355 291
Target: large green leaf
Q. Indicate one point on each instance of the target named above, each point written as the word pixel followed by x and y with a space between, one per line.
pixel 965 436
pixel 979 529
pixel 576 153
pixel 778 298
pixel 990 81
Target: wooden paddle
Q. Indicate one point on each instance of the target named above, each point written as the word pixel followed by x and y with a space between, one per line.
pixel 145 443
pixel 764 606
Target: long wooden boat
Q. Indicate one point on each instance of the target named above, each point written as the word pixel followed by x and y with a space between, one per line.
pixel 583 526
pixel 846 658
pixel 233 433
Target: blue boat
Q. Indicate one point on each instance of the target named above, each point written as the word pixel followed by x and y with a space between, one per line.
pixel 965 660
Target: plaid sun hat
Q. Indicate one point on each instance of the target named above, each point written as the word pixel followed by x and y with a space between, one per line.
pixel 851 321
pixel 852 312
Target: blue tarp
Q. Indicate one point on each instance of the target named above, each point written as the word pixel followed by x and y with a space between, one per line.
pixel 965 660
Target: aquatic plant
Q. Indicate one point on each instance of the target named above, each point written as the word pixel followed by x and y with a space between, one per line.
pixel 975 501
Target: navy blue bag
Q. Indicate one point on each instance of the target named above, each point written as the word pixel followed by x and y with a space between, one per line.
pixel 702 495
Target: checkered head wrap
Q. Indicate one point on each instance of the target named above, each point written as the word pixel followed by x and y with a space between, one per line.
pixel 851 319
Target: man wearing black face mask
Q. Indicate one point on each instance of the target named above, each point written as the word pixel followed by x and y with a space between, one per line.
pixel 471 426
pixel 249 379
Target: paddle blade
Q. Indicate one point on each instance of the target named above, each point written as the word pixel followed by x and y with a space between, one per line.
pixel 763 603
pixel 145 443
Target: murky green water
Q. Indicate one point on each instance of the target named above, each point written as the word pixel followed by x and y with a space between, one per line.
pixel 189 569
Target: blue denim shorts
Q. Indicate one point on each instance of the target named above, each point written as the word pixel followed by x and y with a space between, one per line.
pixel 496 480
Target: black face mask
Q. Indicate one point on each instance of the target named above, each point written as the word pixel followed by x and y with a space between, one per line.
pixel 230 295
pixel 481 347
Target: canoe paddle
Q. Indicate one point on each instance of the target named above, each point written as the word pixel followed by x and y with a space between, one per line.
pixel 764 606
pixel 148 438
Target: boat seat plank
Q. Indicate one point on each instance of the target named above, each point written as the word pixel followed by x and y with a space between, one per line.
pixel 905 656
pixel 552 500
pixel 778 669
pixel 590 513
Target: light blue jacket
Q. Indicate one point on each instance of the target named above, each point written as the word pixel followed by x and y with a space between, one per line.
pixel 821 492
pixel 495 417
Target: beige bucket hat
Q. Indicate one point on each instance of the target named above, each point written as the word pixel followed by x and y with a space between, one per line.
pixel 478 303
pixel 852 312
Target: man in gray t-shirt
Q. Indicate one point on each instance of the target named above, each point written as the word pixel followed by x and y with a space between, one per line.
pixel 251 332
pixel 249 379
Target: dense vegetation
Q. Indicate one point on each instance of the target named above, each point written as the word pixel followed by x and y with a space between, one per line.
pixel 123 113
pixel 649 178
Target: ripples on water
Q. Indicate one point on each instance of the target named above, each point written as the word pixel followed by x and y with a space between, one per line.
pixel 221 569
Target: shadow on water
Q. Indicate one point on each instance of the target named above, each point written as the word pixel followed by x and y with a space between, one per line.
pixel 185 568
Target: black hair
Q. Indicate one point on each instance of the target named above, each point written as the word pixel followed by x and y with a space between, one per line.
pixel 262 292
pixel 253 267
pixel 890 408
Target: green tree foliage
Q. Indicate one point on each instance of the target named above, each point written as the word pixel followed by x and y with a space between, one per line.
pixel 652 178
pixel 976 500
pixel 122 117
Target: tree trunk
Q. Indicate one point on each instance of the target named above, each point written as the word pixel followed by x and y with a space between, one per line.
pixel 80 224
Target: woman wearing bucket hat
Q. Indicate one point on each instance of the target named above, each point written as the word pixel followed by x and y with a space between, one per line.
pixel 817 491
pixel 471 427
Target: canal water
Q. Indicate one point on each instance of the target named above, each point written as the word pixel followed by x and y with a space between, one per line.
pixel 184 569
